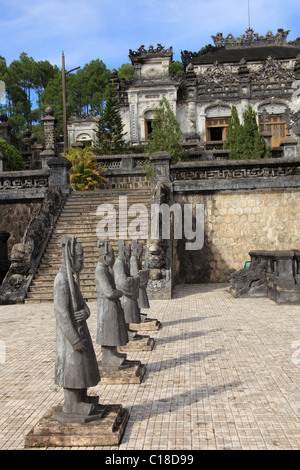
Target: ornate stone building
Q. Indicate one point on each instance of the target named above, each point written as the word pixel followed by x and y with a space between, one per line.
pixel 261 71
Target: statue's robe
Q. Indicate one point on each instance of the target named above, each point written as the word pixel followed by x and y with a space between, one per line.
pixel 136 270
pixel 129 285
pixel 112 329
pixel 73 369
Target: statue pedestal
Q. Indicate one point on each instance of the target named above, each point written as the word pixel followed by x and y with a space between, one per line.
pixel 139 343
pixel 132 372
pixel 106 429
pixel 147 325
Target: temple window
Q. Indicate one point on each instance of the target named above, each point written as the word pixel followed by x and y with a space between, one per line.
pixel 276 125
pixel 216 129
pixel 148 128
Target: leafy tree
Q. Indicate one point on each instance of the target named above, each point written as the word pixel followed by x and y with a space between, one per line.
pixel 110 135
pixel 234 139
pixel 23 73
pixel 166 134
pixel 86 89
pixel 24 79
pixel 126 71
pixel 14 158
pixel 176 68
pixel 52 96
pixel 44 72
pixel 85 173
pixel 244 140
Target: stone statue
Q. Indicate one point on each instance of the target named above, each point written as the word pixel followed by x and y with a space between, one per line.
pixel 136 270
pixel 252 281
pixel 76 366
pixel 129 285
pixel 112 329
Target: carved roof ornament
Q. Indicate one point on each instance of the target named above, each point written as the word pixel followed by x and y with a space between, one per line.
pixel 272 70
pixel 187 56
pixel 142 53
pixel 218 74
pixel 91 116
pixel 251 39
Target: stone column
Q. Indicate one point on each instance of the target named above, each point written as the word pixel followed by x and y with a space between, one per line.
pixel 289 146
pixel 191 87
pixel 159 251
pixel 161 167
pixel 1 162
pixel 267 135
pixel 49 133
pixel 59 174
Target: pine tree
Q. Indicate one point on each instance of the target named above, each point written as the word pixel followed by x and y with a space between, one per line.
pixel 166 134
pixel 244 140
pixel 234 135
pixel 110 136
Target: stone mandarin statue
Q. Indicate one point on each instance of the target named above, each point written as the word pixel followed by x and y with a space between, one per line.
pixel 129 285
pixel 112 330
pixel 76 366
pixel 136 269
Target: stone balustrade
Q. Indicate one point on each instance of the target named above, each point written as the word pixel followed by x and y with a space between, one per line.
pixel 33 184
pixel 124 171
pixel 235 174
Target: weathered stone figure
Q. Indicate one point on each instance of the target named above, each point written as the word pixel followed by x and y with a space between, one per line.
pixel 129 285
pixel 136 269
pixel 112 329
pixel 76 366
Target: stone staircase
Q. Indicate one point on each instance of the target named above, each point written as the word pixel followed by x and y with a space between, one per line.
pixel 78 218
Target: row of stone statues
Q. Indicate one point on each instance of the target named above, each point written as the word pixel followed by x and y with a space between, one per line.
pixel 121 292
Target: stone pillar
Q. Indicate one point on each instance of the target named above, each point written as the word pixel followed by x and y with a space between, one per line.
pixel 2 163
pixel 159 250
pixel 59 174
pixel 289 146
pixel 191 88
pixel 4 261
pixel 161 167
pixel 267 135
pixel 49 133
pixel 36 156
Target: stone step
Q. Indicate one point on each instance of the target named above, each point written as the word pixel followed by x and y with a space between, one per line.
pixel 48 288
pixel 47 284
pixel 32 298
pixel 143 222
pixel 85 276
pixel 78 218
pixel 111 199
pixel 87 242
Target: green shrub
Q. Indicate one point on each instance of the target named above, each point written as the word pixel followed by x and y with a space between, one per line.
pixel 14 158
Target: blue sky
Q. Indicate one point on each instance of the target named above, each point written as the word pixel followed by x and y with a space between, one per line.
pixel 97 29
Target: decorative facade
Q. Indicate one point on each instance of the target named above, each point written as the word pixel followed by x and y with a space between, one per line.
pixel 82 128
pixel 261 71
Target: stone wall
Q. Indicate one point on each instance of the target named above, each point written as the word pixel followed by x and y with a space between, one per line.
pixel 15 217
pixel 235 223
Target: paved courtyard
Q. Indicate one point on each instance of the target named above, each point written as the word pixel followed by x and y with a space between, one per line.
pixel 223 374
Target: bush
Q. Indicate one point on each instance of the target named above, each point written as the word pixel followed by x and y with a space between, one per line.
pixel 244 140
pixel 166 134
pixel 14 158
pixel 85 173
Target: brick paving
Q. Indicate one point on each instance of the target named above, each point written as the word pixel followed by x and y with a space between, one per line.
pixel 224 374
